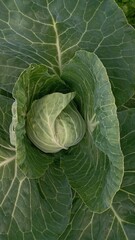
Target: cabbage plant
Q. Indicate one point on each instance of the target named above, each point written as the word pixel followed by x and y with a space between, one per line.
pixel 67 130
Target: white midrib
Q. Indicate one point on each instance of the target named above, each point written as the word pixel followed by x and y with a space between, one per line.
pixel 57 41
pixel 9 189
pixel 8 160
pixel 58 46
pixel 119 220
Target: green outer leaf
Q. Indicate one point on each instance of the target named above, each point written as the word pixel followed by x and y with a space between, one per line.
pixel 5 116
pixel 129 104
pixel 126 210
pixel 95 166
pixel 123 208
pixel 33 83
pixel 33 210
pixel 50 32
pixel 86 225
pixel 7 152
pixel 80 221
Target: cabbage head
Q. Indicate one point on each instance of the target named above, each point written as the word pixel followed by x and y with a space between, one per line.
pixel 54 123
